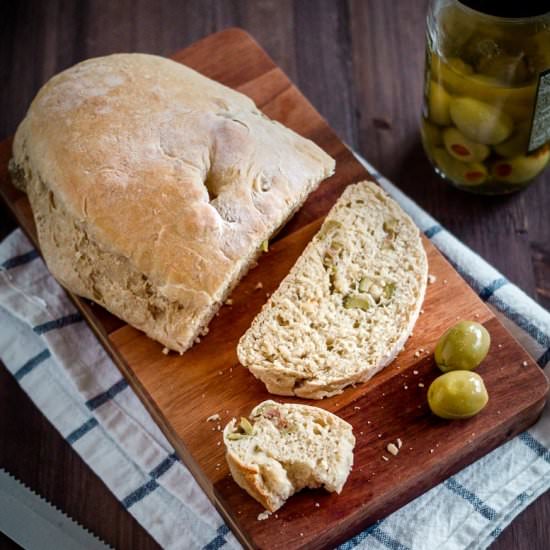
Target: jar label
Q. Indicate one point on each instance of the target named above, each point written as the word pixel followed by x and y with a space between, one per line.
pixel 540 129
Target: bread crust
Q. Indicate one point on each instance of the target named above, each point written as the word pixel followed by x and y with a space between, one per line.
pixel 271 475
pixel 287 345
pixel 162 169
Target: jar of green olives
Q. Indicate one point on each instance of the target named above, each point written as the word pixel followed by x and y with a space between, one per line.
pixel 486 115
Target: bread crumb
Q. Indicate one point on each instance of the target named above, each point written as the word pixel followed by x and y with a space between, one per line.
pixel 264 515
pixel 229 302
pixel 379 435
pixel 415 372
pixel 259 285
pixel 357 408
pixel 392 449
pixel 432 279
pixel 220 372
pixel 399 443
pixel 431 450
pixel 317 505
pixel 420 385
pixel 213 418
pixel 417 353
pixel 197 340
pixel 524 364
pixel 166 351
pixel 276 516
pixel 267 294
pixel 405 387
pixel 476 315
pixel 218 443
pixel 445 281
pixel 385 458
pixel 301 534
pixel 421 311
pixel 368 421
pixel 499 346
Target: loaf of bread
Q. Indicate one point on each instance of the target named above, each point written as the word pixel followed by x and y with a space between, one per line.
pixel 348 304
pixel 285 448
pixel 153 187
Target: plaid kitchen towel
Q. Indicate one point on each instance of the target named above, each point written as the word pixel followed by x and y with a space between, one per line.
pixel 59 363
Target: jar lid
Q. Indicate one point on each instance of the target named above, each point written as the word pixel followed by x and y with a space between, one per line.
pixel 516 9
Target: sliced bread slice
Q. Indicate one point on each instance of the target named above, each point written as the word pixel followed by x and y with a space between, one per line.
pixel 347 306
pixel 284 448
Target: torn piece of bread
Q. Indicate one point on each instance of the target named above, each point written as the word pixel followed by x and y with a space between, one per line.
pixel 153 187
pixel 285 448
pixel 347 306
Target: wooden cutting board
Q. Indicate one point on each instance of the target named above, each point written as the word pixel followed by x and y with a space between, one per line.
pixel 182 391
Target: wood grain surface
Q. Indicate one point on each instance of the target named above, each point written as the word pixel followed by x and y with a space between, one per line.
pixel 361 65
pixel 181 392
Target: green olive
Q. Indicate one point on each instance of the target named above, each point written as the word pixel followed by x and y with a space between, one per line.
pixel 457 394
pixel 438 104
pixel 462 148
pixel 462 347
pixel 507 69
pixel 517 143
pixel 460 66
pixel 463 173
pixel 515 101
pixel 522 168
pixel 431 134
pixel 480 121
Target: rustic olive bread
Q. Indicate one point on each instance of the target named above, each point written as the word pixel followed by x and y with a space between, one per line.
pixel 153 187
pixel 285 448
pixel 347 306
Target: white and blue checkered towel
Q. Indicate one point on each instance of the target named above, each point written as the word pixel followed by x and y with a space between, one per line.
pixel 59 363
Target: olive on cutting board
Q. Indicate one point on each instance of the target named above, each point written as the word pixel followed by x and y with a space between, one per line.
pixel 463 347
pixel 457 395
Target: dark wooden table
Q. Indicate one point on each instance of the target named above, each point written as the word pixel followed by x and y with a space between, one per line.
pixel 360 63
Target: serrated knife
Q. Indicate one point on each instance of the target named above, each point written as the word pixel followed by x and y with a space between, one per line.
pixel 32 522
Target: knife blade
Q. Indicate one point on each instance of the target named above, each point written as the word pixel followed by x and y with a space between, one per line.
pixel 32 522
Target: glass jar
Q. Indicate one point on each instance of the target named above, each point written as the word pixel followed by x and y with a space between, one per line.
pixel 486 115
